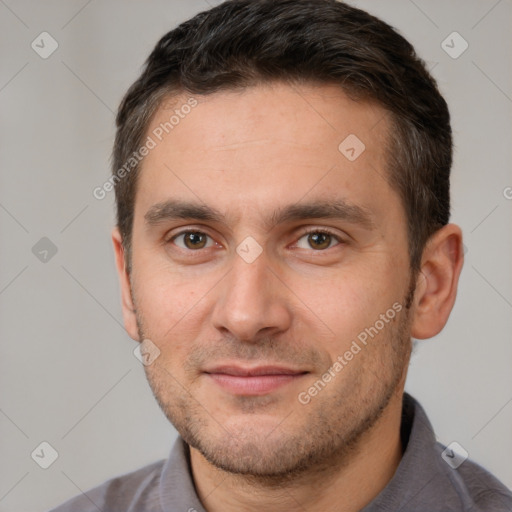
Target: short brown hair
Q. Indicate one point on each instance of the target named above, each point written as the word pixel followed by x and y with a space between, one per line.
pixel 242 43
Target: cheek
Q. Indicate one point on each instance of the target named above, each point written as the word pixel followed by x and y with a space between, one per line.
pixel 347 303
pixel 166 302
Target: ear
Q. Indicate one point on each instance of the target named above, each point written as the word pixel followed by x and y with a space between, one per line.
pixel 128 307
pixel 436 285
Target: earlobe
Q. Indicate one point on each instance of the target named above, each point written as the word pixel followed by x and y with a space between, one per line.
pixel 437 282
pixel 127 305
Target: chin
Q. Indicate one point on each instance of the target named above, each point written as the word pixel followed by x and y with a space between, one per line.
pixel 254 455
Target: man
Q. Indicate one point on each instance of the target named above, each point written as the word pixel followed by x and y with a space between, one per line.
pixel 282 183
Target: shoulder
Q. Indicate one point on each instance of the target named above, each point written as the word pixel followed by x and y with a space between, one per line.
pixel 482 490
pixel 126 493
pixel 432 477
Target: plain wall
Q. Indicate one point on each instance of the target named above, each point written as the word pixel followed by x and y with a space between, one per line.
pixel 68 375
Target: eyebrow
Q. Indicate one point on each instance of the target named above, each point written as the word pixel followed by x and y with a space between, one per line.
pixel 174 209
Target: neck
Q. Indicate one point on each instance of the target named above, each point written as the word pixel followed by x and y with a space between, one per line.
pixel 345 485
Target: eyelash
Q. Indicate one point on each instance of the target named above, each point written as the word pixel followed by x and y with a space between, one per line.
pixel 323 231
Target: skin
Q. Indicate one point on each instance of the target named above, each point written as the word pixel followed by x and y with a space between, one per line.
pixel 299 304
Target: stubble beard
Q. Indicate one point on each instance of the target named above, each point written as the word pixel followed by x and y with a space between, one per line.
pixel 330 432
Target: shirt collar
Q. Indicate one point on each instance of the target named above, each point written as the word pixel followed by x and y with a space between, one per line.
pixel 176 489
pixel 419 466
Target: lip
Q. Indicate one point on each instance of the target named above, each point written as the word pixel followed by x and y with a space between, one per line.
pixel 259 380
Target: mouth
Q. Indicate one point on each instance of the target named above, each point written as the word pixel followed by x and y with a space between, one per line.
pixel 259 380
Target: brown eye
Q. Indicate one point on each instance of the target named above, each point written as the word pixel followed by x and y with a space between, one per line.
pixel 192 240
pixel 318 240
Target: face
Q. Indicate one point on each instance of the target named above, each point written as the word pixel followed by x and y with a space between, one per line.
pixel 270 268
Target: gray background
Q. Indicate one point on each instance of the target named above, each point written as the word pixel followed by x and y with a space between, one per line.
pixel 68 375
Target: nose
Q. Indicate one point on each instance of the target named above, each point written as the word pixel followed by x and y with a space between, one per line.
pixel 252 301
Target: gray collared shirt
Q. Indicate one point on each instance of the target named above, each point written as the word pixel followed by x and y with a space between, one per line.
pixel 423 482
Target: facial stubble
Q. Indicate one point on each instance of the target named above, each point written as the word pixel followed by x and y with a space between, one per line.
pixel 331 428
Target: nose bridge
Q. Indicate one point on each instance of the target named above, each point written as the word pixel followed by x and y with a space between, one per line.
pixel 251 298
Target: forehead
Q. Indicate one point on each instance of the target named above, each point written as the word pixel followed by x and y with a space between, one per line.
pixel 287 113
pixel 249 150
